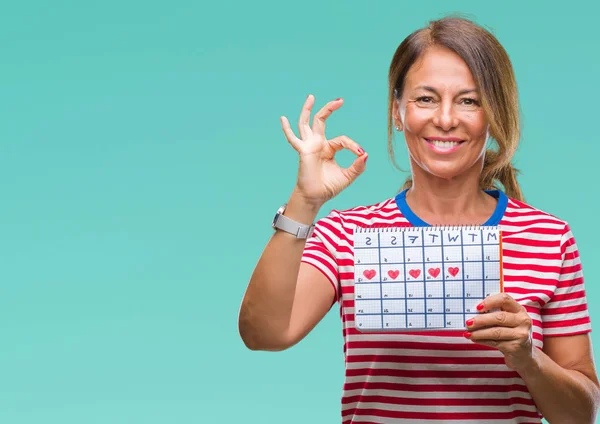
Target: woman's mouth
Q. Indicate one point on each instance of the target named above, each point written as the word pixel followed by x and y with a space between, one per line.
pixel 443 145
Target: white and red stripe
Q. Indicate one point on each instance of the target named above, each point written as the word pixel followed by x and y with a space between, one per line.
pixel 439 376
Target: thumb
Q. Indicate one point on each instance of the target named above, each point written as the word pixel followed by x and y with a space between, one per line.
pixel 358 167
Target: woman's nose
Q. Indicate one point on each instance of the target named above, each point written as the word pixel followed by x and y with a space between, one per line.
pixel 445 117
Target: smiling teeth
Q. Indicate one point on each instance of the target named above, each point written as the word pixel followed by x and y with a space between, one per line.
pixel 444 144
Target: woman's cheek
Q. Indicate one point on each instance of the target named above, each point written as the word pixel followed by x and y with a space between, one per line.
pixel 477 123
pixel 415 118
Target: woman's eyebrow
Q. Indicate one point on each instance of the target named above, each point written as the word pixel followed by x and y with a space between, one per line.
pixel 433 90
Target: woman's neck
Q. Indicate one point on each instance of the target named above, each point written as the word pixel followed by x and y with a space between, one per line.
pixel 457 201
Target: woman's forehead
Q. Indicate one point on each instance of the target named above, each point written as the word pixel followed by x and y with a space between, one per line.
pixel 440 68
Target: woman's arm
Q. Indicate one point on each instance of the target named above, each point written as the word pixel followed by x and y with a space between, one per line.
pixel 561 379
pixel 285 298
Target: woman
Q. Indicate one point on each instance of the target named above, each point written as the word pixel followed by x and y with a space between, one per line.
pixel 528 353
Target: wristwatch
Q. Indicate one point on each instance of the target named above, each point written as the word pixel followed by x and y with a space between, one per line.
pixel 282 222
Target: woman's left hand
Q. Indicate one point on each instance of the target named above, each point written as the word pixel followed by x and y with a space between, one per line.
pixel 507 329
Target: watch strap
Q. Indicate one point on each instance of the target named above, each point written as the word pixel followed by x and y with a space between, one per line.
pixel 282 222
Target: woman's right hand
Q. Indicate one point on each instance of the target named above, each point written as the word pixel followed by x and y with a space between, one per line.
pixel 320 178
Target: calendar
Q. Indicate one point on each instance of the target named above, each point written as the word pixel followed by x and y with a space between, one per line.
pixel 424 278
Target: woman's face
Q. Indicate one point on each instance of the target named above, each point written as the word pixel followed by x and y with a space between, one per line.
pixel 445 127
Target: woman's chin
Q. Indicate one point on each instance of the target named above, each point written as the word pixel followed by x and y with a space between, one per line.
pixel 446 170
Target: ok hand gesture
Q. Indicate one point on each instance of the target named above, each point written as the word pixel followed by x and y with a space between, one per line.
pixel 320 178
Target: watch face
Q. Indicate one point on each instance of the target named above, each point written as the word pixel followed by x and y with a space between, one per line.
pixel 276 217
pixel 279 212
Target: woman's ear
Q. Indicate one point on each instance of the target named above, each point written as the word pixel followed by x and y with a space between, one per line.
pixel 396 116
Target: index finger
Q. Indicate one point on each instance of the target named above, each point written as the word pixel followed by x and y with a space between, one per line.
pixel 304 119
pixel 502 301
pixel 323 114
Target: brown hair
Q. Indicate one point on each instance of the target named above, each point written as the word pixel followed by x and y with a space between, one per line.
pixel 493 74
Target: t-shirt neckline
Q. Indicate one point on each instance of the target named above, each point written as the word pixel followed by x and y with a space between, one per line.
pixel 493 220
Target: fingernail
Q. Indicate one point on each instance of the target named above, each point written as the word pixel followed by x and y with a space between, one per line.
pixel 466 334
pixel 366 157
pixel 480 307
pixel 360 151
pixel 470 322
pixel 339 98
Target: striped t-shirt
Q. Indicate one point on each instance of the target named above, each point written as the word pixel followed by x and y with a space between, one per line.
pixel 440 376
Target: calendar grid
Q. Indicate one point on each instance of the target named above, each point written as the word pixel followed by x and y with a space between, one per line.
pixel 462 257
pixel 424 276
pixel 483 265
pixel 405 287
pixel 398 286
pixel 444 273
pixel 381 285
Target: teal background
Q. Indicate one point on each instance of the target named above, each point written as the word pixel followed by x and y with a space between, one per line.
pixel 142 159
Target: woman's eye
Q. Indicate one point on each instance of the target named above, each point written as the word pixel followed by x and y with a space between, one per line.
pixel 424 99
pixel 471 102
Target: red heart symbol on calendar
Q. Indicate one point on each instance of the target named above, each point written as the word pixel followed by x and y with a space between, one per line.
pixel 393 273
pixel 453 271
pixel 369 273
pixel 434 272
pixel 414 273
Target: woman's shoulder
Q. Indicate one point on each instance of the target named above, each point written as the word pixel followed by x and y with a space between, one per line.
pixel 384 206
pixel 521 208
pixel 381 213
pixel 521 216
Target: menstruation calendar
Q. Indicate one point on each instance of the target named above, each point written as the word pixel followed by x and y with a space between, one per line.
pixel 421 278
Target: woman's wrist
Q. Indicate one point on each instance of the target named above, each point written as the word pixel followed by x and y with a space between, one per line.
pixel 531 367
pixel 300 209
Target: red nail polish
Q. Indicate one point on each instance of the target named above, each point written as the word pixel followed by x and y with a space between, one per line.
pixel 467 334
pixel 480 307
pixel 366 157
pixel 360 151
pixel 339 98
pixel 470 322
